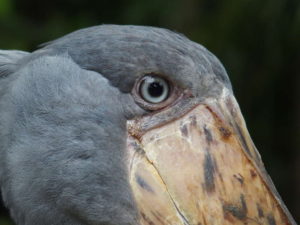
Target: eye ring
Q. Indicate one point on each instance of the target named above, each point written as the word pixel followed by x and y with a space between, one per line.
pixel 163 92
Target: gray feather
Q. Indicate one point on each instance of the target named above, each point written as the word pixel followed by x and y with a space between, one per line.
pixel 124 53
pixel 9 61
pixel 62 136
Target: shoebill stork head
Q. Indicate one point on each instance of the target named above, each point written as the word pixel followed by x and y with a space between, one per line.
pixel 127 125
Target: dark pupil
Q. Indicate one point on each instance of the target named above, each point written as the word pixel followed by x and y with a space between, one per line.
pixel 155 89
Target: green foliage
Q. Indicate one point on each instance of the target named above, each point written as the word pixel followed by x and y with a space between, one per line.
pixel 5 8
pixel 5 222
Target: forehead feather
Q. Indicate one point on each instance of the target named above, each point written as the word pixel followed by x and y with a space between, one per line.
pixel 124 53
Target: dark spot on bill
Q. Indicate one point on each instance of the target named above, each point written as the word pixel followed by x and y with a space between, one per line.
pixel 145 218
pixel 239 178
pixel 209 172
pixel 143 184
pixel 184 130
pixel 208 135
pixel 243 140
pixel 193 121
pixel 253 173
pixel 271 220
pixel 239 211
pixel 225 132
pixel 260 211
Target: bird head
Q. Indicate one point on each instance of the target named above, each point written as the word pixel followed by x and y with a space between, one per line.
pixel 128 125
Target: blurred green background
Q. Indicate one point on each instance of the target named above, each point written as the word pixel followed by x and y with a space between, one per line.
pixel 257 41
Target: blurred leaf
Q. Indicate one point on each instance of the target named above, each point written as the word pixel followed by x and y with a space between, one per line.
pixel 5 7
pixel 5 222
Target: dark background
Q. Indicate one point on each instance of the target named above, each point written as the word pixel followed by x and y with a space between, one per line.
pixel 258 42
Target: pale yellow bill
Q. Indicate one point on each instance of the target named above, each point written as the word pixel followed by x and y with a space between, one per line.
pixel 203 169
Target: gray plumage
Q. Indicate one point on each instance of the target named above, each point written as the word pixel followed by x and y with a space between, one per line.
pixel 63 113
pixel 9 61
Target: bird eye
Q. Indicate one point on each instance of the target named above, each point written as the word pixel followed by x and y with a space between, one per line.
pixel 154 92
pixel 154 89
